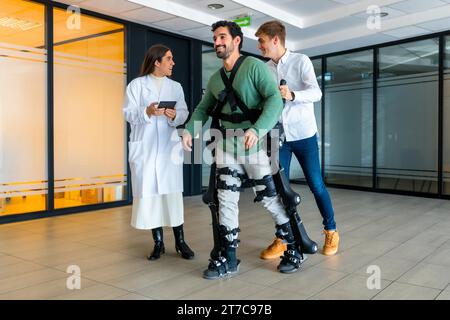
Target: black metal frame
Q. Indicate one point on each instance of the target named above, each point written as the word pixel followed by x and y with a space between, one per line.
pixel 50 99
pixel 441 115
pixel 376 53
pixel 375 48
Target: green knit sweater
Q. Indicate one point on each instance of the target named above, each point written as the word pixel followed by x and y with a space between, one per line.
pixel 256 88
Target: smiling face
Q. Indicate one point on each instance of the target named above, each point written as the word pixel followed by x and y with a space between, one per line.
pixel 164 68
pixel 267 46
pixel 224 44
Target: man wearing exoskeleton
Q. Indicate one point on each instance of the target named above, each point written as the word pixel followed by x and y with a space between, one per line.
pixel 242 97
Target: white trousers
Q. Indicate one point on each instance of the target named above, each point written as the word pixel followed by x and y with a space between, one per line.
pixel 256 165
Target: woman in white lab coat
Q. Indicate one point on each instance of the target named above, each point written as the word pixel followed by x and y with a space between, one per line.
pixel 155 152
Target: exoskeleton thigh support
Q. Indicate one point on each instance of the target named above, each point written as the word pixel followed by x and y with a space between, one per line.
pixel 221 184
pixel 267 181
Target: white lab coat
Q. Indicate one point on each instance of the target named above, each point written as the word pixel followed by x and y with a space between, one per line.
pixel 155 153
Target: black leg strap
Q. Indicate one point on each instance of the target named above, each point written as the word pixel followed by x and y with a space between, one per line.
pixel 224 232
pixel 220 266
pixel 224 186
pixel 292 257
pixel 232 173
pixel 267 181
pixel 284 232
pixel 269 191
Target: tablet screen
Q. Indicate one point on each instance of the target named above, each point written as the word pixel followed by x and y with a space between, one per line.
pixel 167 104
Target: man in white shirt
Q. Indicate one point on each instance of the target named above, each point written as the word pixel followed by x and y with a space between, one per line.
pixel 300 92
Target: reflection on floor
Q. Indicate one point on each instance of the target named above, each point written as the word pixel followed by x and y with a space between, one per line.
pixel 408 238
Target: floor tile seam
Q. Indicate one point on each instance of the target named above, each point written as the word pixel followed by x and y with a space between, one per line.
pixel 402 243
pixel 180 298
pixel 54 267
pixel 380 291
pixel 33 285
pixel 345 274
pixel 421 286
pixel 415 265
pixel 371 222
pixel 178 274
pixel 406 271
pixel 348 275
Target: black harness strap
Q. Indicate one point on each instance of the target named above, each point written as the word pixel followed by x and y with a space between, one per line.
pixel 233 99
pixel 229 95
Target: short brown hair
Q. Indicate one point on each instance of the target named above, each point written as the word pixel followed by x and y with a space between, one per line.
pixel 273 28
pixel 155 53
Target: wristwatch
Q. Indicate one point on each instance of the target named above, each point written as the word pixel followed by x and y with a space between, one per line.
pixel 293 95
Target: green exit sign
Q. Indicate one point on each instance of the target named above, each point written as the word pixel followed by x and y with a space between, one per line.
pixel 243 21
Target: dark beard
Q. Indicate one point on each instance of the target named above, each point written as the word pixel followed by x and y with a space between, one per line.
pixel 224 54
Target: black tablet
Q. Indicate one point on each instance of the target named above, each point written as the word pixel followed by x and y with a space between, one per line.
pixel 167 104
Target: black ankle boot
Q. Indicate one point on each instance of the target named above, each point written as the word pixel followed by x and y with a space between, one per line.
pixel 180 244
pixel 224 266
pixel 158 249
pixel 293 257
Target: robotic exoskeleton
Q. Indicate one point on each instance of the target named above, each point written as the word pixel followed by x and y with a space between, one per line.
pixel 293 232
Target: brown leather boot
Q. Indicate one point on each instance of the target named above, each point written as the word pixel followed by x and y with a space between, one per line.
pixel 274 250
pixel 331 244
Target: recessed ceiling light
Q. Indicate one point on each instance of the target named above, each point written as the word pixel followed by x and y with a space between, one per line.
pixel 383 14
pixel 215 6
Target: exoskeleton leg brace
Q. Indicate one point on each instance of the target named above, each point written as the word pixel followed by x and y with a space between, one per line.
pixel 274 185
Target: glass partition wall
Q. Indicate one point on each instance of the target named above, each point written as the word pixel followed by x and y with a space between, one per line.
pixel 23 108
pixel 349 119
pixel 407 117
pixel 388 95
pixel 89 133
pixel 89 77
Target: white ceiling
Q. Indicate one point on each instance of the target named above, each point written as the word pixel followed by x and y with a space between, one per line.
pixel 313 26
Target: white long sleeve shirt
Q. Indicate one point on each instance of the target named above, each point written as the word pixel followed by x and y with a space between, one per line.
pixel 298 117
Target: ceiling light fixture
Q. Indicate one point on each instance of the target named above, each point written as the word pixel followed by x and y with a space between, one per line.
pixel 215 6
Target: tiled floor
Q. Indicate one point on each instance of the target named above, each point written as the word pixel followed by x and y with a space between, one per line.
pixel 408 238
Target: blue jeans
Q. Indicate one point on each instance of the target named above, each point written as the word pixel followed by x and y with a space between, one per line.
pixel 307 153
